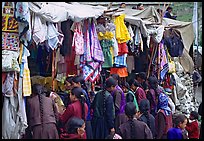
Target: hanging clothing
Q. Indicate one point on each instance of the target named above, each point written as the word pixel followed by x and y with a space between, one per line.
pixel 52 36
pixel 26 73
pixel 22 14
pixel 78 41
pixel 122 34
pixel 39 29
pixel 122 49
pixel 106 44
pixel 96 49
pixel 164 61
pixel 130 63
pixel 122 72
pixel 44 60
pixel 120 61
pixel 66 48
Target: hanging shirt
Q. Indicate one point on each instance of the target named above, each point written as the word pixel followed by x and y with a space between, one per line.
pixel 122 34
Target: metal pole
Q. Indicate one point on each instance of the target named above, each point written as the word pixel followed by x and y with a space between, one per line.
pixel 197 33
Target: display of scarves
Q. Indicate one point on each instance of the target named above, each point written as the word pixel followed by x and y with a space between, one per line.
pixel 164 61
pixel 91 60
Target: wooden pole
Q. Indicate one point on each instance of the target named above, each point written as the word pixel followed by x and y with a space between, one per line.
pixel 150 63
pixel 53 69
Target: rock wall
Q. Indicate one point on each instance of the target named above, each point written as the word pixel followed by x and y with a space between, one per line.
pixel 184 91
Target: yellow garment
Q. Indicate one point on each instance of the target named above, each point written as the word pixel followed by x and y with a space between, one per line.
pixel 26 82
pixel 107 35
pixel 20 53
pixel 122 34
pixel 112 54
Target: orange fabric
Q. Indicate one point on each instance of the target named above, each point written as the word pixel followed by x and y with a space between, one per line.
pixel 3 75
pixel 122 72
pixel 122 48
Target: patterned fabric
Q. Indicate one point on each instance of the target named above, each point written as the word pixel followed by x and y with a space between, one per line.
pixel 10 41
pixel 163 103
pixel 10 37
pixel 26 82
pixel 9 61
pixel 78 40
pixel 164 61
pixel 120 61
pixel 96 50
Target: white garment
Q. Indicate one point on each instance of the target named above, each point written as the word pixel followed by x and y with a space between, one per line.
pixel 52 36
pixel 115 45
pixel 131 32
pixel 39 30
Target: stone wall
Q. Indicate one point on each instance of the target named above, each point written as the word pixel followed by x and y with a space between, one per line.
pixel 184 91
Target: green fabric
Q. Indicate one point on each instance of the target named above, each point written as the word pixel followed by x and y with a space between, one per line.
pixel 108 60
pixel 134 100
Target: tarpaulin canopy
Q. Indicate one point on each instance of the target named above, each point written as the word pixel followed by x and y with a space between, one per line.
pixel 61 11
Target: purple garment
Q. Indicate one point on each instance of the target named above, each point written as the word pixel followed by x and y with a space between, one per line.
pixel 122 103
pixel 140 94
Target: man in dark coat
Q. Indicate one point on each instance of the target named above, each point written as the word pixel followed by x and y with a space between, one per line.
pixel 103 111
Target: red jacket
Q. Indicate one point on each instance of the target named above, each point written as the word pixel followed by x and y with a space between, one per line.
pixel 73 110
pixel 72 136
pixel 193 129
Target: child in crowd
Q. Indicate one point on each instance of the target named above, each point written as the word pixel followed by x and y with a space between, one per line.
pixel 133 128
pixel 145 116
pixel 180 122
pixel 192 126
pixel 75 129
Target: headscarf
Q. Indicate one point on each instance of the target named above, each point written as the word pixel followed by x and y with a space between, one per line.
pixel 163 103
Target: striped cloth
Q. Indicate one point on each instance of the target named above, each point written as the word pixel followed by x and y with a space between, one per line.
pixel 26 82
pixel 120 61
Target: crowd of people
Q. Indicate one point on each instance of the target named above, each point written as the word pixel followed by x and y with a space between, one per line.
pixel 137 108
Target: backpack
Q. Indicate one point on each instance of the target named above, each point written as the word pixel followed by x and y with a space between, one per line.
pixel 174 44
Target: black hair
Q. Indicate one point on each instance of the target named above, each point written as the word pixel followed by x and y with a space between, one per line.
pixel 142 75
pixel 169 8
pixel 144 108
pixel 38 89
pixel 153 82
pixel 110 82
pixel 139 4
pixel 116 77
pixel 131 82
pixel 130 111
pixel 125 84
pixel 159 10
pixel 134 7
pixel 78 78
pixel 180 118
pixel 122 4
pixel 194 114
pixel 136 83
pixel 69 79
pixel 73 124
pixel 78 92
